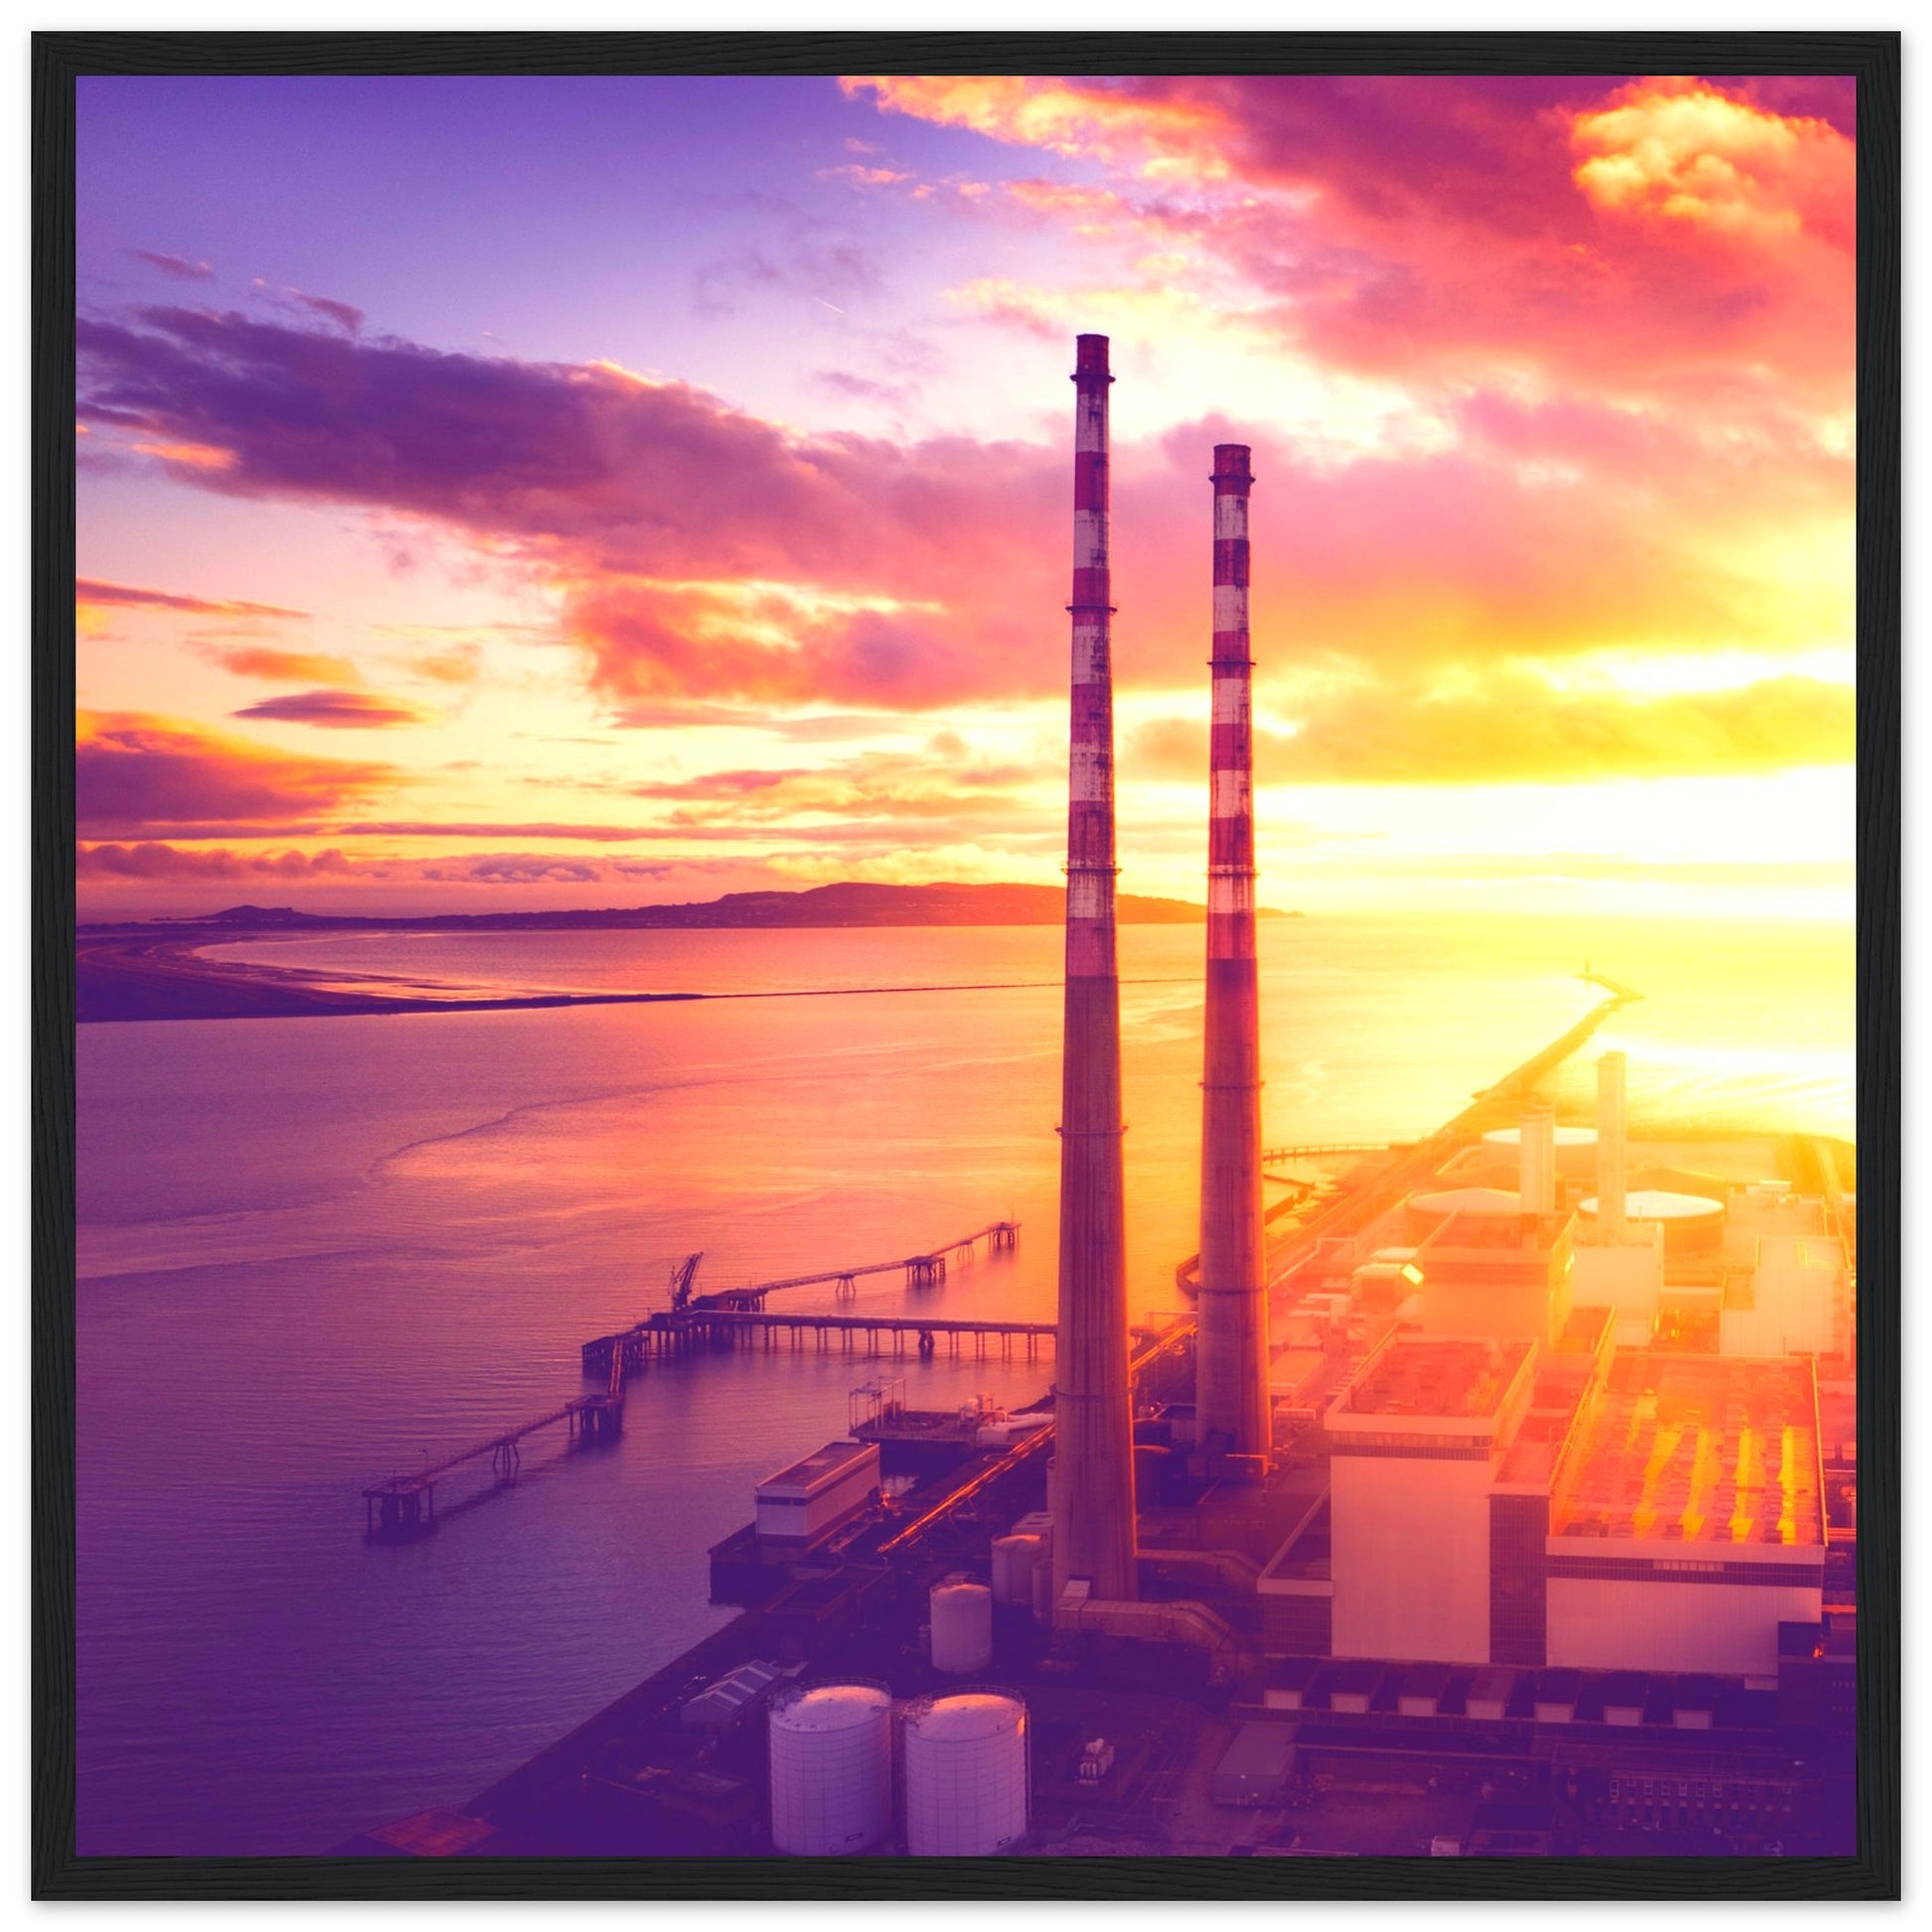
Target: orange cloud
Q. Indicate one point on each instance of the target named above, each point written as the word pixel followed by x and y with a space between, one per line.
pixel 91 593
pixel 137 775
pixel 1677 150
pixel 261 662
pixel 1107 121
pixel 1677 244
pixel 190 455
pixel 1511 725
pixel 460 664
pixel 945 783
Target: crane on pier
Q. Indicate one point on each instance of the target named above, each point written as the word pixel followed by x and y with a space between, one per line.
pixel 682 1278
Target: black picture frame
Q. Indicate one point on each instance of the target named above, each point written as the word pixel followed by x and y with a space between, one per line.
pixel 60 58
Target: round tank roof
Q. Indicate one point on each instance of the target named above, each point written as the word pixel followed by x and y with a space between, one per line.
pixel 831 1707
pixel 970 1714
pixel 1566 1137
pixel 1656 1204
pixel 1469 1201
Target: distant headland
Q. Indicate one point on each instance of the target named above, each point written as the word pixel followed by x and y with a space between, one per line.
pixel 155 968
pixel 850 902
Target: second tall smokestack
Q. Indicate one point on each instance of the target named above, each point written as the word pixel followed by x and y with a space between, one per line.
pixel 1232 1402
pixel 1092 1491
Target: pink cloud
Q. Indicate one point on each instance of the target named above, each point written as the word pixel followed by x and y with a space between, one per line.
pixel 179 266
pixel 458 829
pixel 91 591
pixel 343 314
pixel 156 859
pixel 1478 229
pixel 1630 410
pixel 700 550
pixel 276 666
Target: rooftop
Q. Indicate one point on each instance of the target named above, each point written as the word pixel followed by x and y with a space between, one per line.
pixel 1532 1458
pixel 1662 1204
pixel 1437 1377
pixel 1699 1448
pixel 817 1467
pixel 1529 1234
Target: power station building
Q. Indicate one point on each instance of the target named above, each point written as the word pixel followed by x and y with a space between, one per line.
pixel 1509 1488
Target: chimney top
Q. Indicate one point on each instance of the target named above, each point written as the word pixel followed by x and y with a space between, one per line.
pixel 1231 464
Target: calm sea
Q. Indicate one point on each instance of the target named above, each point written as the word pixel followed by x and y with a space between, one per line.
pixel 318 1251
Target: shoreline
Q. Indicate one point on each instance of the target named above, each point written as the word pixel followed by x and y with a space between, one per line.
pixel 121 981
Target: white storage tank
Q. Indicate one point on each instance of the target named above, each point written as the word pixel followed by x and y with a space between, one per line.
pixel 1426 1212
pixel 1013 1569
pixel 962 1626
pixel 1576 1148
pixel 965 1775
pixel 1692 1223
pixel 831 1771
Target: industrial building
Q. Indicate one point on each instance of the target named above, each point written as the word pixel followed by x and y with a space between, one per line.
pixel 1511 1466
pixel 1414 1443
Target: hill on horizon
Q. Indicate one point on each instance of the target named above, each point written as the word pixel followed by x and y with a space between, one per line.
pixel 854 903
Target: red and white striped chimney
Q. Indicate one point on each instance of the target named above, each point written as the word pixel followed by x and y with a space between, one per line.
pixel 1092 1494
pixel 1232 1410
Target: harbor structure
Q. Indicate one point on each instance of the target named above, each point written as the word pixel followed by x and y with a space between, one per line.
pixel 1232 1399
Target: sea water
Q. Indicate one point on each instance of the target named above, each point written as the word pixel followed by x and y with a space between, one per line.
pixel 318 1251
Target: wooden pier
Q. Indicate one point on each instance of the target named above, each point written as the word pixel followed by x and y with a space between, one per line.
pixel 675 1335
pixel 404 1507
pixel 927 1269
pixel 675 1332
pixel 1275 1157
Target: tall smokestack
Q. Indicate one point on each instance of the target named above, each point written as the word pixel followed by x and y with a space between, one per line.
pixel 1093 1465
pixel 1537 1159
pixel 1609 1147
pixel 1232 1411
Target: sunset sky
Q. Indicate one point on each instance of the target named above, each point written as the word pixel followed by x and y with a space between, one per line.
pixel 514 492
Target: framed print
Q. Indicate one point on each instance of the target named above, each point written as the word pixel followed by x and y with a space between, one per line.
pixel 966 966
